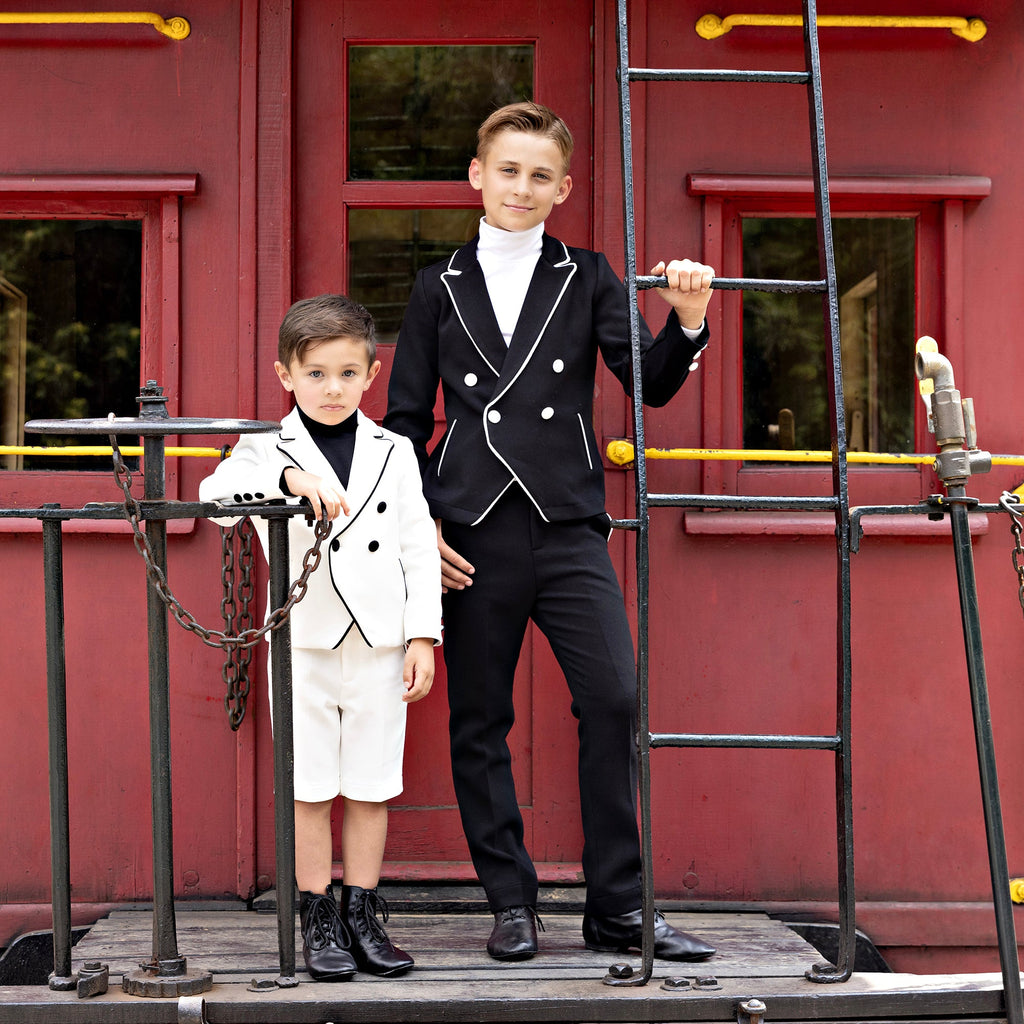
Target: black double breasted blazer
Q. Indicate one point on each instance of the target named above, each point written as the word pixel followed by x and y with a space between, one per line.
pixel 522 414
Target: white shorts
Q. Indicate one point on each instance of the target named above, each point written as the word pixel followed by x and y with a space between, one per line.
pixel 348 720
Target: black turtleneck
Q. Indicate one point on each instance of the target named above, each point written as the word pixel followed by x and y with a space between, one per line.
pixel 337 441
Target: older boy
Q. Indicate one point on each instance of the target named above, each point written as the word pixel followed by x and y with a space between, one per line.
pixel 363 637
pixel 511 326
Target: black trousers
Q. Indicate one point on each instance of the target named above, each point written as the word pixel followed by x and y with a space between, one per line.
pixel 560 576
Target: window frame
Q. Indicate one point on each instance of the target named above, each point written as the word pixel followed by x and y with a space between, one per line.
pixel 155 201
pixel 938 205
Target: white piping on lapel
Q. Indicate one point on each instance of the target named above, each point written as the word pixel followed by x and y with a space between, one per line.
pixel 451 430
pixel 450 272
pixel 483 514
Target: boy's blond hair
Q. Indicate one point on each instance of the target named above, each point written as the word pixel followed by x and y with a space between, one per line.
pixel 321 318
pixel 526 117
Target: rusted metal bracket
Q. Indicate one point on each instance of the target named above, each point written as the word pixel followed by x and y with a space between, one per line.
pixel 93 979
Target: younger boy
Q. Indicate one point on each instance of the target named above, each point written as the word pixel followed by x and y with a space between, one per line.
pixel 511 326
pixel 363 636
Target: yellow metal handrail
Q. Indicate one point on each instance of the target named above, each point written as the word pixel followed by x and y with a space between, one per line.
pixel 174 28
pixel 621 453
pixel 98 449
pixel 711 26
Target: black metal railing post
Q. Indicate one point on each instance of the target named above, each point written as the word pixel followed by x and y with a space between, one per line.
pixel 167 972
pixel 951 419
pixel 62 979
pixel 284 755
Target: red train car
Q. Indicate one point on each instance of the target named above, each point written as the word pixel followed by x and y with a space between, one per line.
pixel 163 200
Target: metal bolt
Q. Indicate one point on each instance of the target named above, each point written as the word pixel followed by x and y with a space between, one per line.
pixel 620 971
pixel 751 1011
pixel 709 981
pixel 675 984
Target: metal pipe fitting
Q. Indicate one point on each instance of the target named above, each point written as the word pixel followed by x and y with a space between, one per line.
pixel 934 367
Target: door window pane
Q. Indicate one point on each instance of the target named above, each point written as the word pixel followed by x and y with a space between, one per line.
pixel 414 110
pixel 387 247
pixel 70 306
pixel 785 388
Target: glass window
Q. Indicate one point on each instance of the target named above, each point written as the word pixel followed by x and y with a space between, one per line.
pixel 413 113
pixel 785 391
pixel 414 110
pixel 70 328
pixel 386 249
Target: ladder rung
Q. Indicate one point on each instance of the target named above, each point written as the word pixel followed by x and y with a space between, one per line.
pixel 745 502
pixel 740 503
pixel 713 75
pixel 750 284
pixel 688 739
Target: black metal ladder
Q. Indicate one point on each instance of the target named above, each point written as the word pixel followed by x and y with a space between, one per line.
pixel 838 502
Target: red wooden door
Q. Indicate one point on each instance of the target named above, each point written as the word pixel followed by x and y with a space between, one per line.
pixel 387 94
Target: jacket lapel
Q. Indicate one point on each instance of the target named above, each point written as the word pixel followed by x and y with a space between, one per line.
pixel 296 443
pixel 372 451
pixel 468 290
pixel 550 279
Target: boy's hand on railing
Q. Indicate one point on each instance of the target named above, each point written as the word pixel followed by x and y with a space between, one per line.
pixel 688 291
pixel 326 500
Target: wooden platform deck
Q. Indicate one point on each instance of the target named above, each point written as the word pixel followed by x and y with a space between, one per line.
pixel 454 979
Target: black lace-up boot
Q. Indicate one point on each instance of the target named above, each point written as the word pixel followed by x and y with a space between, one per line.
pixel 374 952
pixel 325 939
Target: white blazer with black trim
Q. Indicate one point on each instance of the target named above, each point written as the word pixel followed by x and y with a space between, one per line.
pixel 380 571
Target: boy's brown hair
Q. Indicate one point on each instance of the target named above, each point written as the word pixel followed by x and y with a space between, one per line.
pixel 322 318
pixel 526 117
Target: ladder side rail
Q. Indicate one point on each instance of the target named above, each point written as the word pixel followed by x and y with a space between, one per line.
pixel 642 517
pixel 843 967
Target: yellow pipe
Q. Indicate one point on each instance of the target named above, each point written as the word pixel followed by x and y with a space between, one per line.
pixel 622 452
pixel 711 26
pixel 174 28
pixel 93 449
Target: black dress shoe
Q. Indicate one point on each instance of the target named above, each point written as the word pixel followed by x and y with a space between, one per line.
pixel 374 952
pixel 514 936
pixel 325 939
pixel 620 933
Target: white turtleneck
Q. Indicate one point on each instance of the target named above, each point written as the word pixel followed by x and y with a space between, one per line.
pixel 508 259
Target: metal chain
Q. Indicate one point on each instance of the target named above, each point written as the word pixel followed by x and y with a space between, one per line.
pixel 1011 502
pixel 235 671
pixel 212 637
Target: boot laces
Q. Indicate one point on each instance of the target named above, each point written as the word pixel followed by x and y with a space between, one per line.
pixel 370 905
pixel 520 914
pixel 324 923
